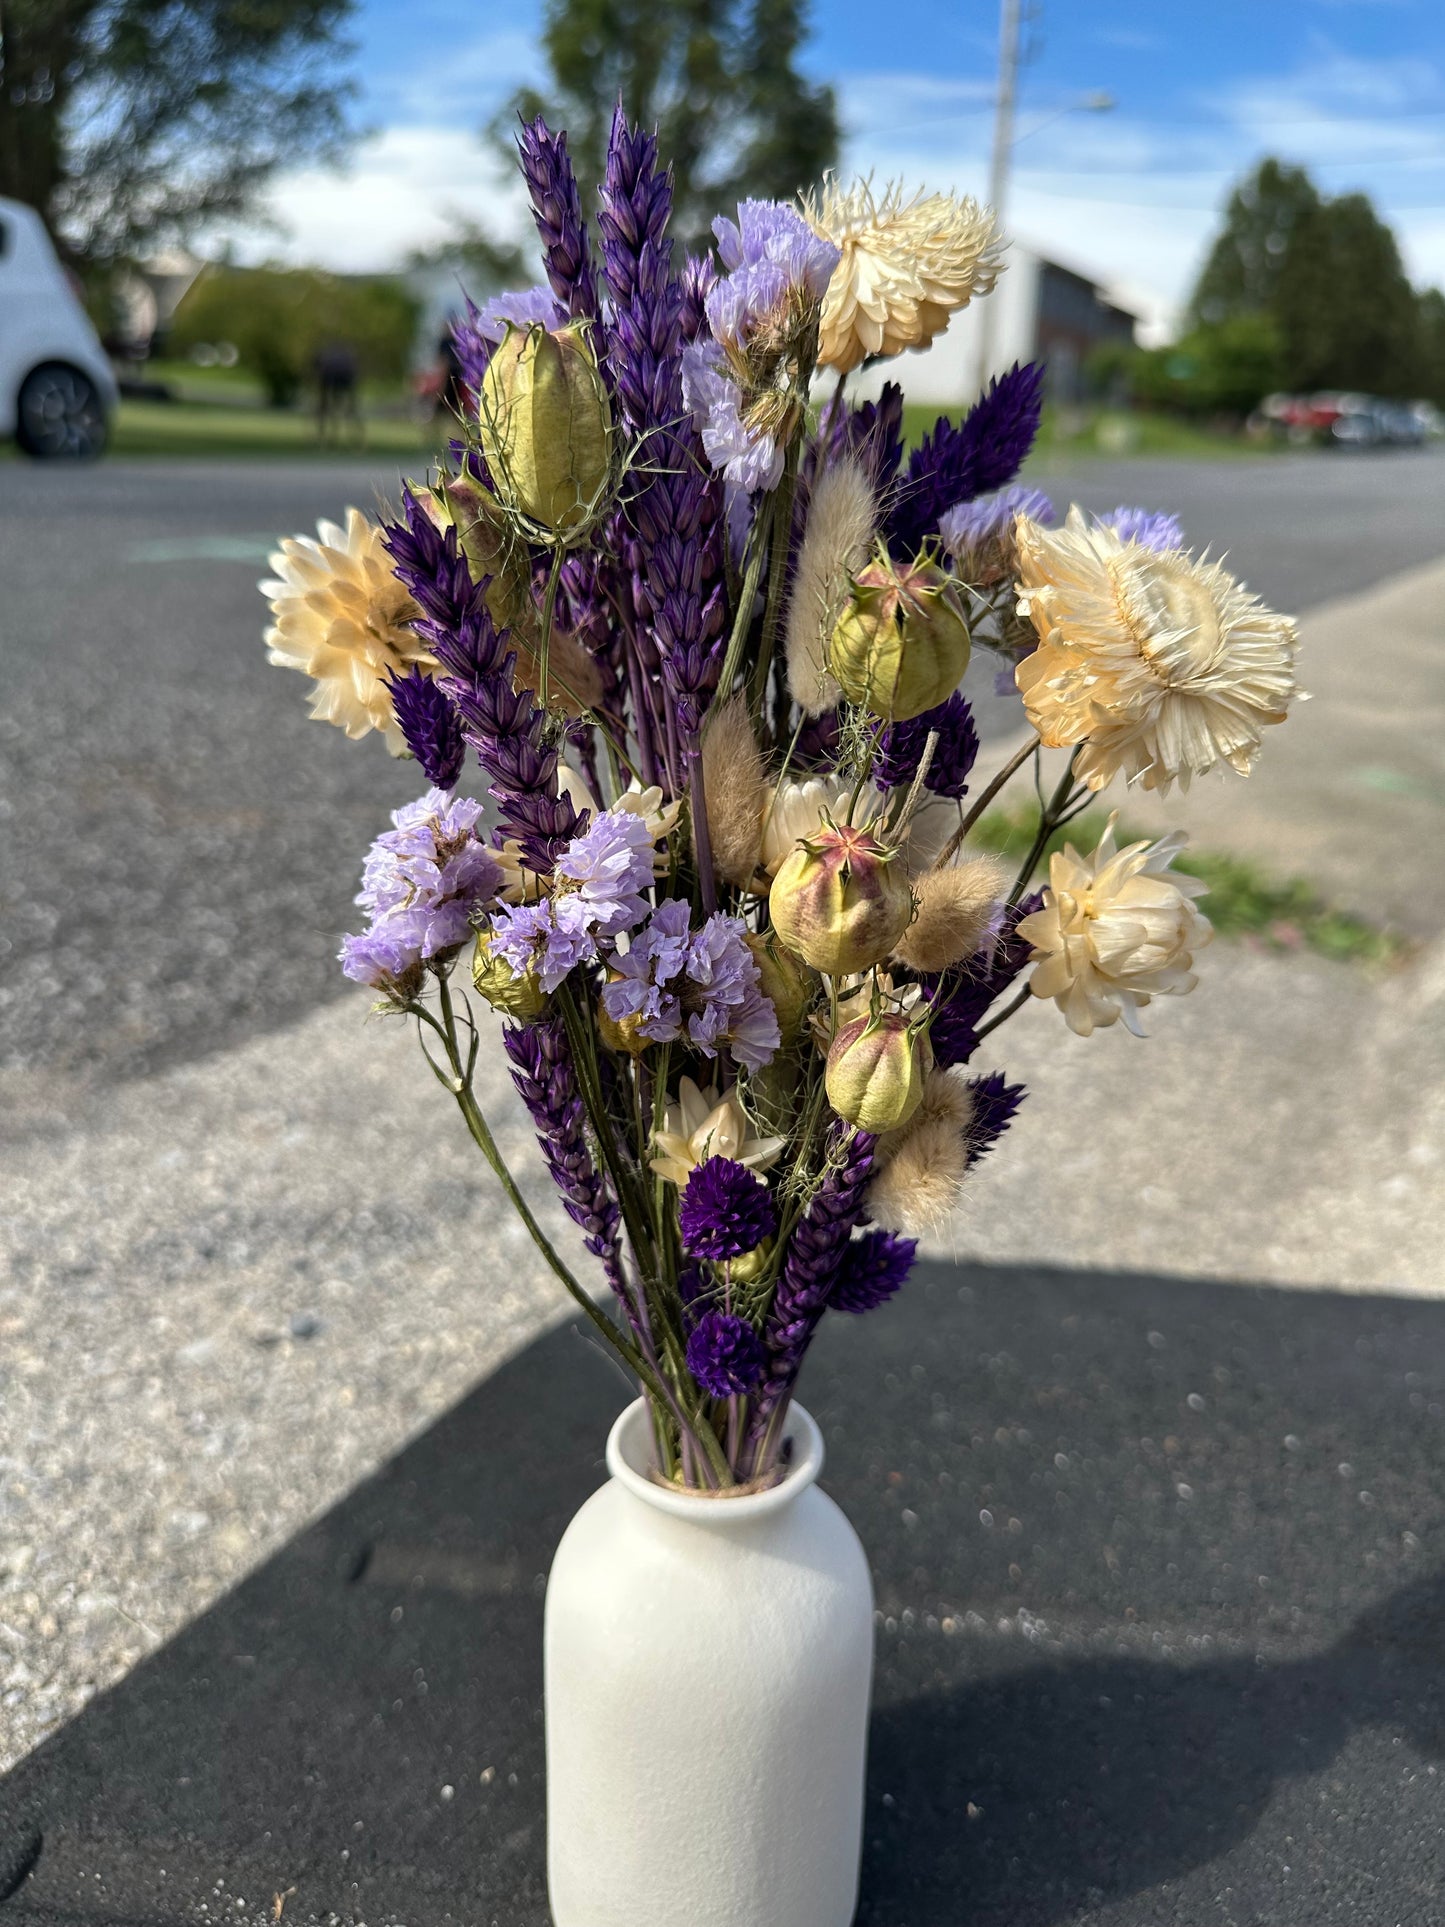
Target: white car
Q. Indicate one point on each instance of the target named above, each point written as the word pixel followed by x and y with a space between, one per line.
pixel 56 386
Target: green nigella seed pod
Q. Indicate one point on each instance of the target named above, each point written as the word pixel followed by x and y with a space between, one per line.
pixel 546 425
pixel 518 995
pixel 875 1072
pixel 788 987
pixel 494 553
pixel 840 901
pixel 901 645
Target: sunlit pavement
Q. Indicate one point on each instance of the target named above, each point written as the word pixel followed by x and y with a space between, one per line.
pixel 249 1250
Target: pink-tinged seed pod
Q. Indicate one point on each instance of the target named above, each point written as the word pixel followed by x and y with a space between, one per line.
pixel 875 1072
pixel 902 644
pixel 840 901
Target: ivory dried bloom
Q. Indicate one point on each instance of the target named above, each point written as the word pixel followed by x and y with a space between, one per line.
pixel 343 618
pixel 1157 663
pixel 907 267
pixel 702 1125
pixel 1116 929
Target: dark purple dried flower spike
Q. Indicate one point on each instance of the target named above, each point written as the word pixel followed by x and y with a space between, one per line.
pixel 430 725
pixel 957 462
pixel 725 1211
pixel 954 754
pixel 873 1269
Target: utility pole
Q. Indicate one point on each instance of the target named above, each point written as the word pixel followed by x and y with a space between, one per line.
pixel 1003 140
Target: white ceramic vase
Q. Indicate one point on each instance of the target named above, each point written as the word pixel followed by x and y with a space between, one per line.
pixel 708 1667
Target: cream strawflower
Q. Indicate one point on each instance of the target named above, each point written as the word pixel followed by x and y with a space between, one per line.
pixel 701 1125
pixel 1159 664
pixel 342 616
pixel 1116 929
pixel 792 811
pixel 907 267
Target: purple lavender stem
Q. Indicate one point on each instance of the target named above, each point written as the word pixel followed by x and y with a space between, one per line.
pixel 543 1074
pixel 504 726
pixel 557 210
pixel 810 1270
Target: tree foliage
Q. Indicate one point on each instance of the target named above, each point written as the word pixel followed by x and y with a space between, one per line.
pixel 279 318
pixel 719 79
pixel 128 123
pixel 1327 276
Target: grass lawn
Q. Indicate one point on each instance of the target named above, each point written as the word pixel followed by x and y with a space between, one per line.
pixel 1083 432
pixel 225 429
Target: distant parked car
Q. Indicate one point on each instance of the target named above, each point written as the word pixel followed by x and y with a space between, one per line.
pixel 56 386
pixel 1368 423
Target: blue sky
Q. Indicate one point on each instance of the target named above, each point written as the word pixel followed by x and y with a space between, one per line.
pixel 1354 89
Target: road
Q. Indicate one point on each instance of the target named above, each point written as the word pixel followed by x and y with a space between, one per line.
pixel 183 843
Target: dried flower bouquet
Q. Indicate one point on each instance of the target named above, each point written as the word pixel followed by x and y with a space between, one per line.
pixel 704 643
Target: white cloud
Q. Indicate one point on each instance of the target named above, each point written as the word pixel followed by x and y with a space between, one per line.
pixel 405 188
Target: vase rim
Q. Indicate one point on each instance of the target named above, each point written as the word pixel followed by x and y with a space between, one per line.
pixel 629 1460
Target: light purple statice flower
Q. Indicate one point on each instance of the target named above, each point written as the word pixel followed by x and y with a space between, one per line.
pixel 702 986
pixel 611 863
pixel 1150 528
pixel 745 387
pixel 971 526
pixel 520 308
pixel 773 232
pixel 748 459
pixel 601 876
pixel 421 883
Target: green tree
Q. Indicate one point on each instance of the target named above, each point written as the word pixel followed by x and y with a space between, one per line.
pixel 1242 272
pixel 1223 368
pixel 278 318
pixel 1347 315
pixel 131 122
pixel 718 78
pixel 1432 346
pixel 1326 273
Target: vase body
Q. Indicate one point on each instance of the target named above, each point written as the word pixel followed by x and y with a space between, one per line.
pixel 708 1666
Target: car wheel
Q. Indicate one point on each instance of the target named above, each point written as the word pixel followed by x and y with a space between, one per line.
pixel 59 415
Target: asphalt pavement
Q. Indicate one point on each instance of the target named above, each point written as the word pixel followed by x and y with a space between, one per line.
pixel 183 843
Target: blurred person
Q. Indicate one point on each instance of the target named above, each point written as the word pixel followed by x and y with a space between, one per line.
pixel 338 393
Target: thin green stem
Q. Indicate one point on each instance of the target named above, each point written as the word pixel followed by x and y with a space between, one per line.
pixel 1010 769
pixel 1015 1003
pixel 1050 816
pixel 460 1086
pixel 777 570
pixel 743 614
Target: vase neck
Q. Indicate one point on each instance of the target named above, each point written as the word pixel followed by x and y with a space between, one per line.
pixel 632 1463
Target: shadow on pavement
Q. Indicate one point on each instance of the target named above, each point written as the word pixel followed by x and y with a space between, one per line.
pixel 1159 1639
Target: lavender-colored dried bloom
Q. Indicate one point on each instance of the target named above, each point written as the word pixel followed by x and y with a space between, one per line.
pixel 810 1270
pixel 725 1211
pixel 747 457
pixel 995 1103
pixel 547 939
pixel 611 864
pixel 773 232
pixel 519 308
pixel 429 724
pixel 1150 528
pixel 873 1269
pixel 901 749
pixel 965 996
pixel 724 1354
pixel 504 726
pixel 702 986
pixel 384 958
pixel 557 210
pixel 955 464
pixel 543 1074
pixel 972 527
pixel 422 881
